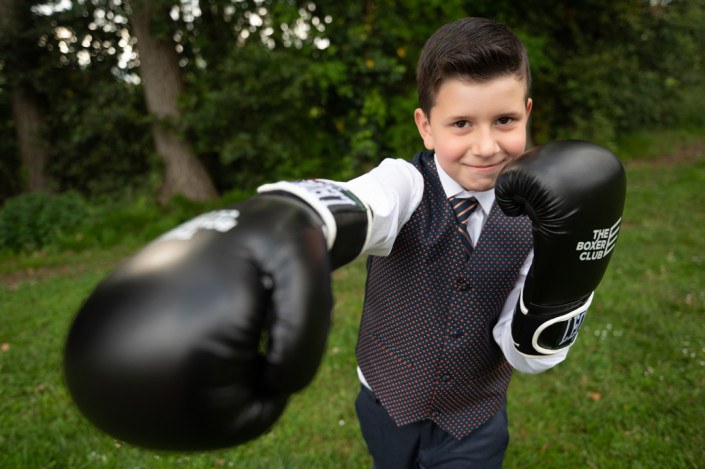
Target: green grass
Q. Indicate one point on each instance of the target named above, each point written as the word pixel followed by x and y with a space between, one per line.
pixel 651 145
pixel 630 394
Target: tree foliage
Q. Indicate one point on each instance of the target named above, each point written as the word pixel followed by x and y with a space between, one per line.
pixel 609 68
pixel 291 88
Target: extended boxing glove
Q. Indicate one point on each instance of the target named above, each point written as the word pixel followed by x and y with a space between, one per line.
pixel 573 192
pixel 198 340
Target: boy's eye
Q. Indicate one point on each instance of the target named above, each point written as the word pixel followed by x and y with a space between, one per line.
pixel 504 120
pixel 461 124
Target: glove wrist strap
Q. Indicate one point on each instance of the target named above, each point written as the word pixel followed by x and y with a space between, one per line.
pixel 346 219
pixel 540 335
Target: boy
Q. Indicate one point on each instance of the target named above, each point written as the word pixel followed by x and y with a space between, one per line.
pixel 473 83
pixel 169 351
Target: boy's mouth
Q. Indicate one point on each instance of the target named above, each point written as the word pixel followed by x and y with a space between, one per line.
pixel 487 168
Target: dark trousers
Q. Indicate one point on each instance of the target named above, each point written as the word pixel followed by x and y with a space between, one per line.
pixel 424 444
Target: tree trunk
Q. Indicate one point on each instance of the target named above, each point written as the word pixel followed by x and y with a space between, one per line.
pixel 162 82
pixel 28 126
pixel 15 17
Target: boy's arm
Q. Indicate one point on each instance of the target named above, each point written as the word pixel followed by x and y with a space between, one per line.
pixel 392 190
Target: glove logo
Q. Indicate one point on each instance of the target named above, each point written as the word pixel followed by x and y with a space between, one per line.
pixel 329 194
pixel 572 327
pixel 219 220
pixel 602 243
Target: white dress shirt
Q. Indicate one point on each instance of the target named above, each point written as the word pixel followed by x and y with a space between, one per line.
pixel 393 190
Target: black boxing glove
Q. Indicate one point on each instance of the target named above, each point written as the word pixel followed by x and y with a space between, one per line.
pixel 198 340
pixel 573 192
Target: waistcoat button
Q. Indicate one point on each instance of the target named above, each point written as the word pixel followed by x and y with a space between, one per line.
pixel 462 284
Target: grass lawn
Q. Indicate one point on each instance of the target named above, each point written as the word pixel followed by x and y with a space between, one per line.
pixel 629 396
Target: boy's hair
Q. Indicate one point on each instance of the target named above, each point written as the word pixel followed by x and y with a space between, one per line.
pixel 472 49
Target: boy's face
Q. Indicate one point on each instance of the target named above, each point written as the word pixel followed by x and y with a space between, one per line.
pixel 476 129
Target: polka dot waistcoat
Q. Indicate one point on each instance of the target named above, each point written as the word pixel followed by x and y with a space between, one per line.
pixel 426 346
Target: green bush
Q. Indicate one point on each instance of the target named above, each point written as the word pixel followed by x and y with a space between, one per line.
pixel 134 221
pixel 36 220
pixel 69 222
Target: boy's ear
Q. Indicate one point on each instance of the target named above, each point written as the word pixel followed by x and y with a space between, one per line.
pixel 424 127
pixel 529 106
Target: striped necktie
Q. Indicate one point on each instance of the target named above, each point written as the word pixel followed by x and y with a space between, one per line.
pixel 463 208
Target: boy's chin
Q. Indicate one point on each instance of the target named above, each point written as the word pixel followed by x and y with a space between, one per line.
pixel 479 185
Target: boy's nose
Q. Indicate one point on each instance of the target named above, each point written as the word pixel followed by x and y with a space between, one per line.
pixel 485 145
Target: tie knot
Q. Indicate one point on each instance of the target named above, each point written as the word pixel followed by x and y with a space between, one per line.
pixel 463 208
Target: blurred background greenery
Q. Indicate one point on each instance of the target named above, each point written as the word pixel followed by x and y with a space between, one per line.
pixel 120 101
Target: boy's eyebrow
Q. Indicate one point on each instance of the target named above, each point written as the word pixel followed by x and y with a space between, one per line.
pixel 509 113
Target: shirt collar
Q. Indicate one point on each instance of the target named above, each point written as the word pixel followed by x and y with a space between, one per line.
pixel 453 189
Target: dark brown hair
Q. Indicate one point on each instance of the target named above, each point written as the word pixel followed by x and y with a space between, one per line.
pixel 472 49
